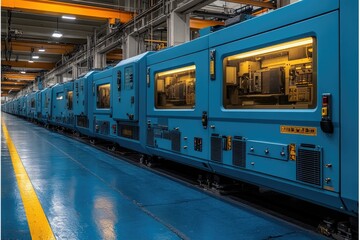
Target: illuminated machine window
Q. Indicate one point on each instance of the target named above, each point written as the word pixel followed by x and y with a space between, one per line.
pixel 175 89
pixel 282 76
pixel 59 96
pixel 103 96
pixel 69 98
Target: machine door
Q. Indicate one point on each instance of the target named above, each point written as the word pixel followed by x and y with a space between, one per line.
pixel 126 92
pixel 275 103
pixel 177 105
pixel 79 97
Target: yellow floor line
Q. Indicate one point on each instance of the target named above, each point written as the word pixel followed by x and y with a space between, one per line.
pixel 37 221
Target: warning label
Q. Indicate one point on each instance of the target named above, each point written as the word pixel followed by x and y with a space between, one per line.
pixel 308 131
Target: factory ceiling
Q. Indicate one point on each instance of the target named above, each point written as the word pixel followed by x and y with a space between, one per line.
pixel 28 46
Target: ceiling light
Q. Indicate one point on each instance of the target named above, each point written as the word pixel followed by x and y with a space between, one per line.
pixel 35 57
pixel 22 72
pixel 31 61
pixel 69 17
pixel 41 49
pixel 57 34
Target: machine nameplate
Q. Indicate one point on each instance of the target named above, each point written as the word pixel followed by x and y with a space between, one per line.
pixel 308 131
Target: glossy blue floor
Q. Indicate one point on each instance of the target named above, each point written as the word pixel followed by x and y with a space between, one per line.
pixel 88 194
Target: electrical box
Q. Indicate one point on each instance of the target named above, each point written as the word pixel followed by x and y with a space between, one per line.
pixel 230 75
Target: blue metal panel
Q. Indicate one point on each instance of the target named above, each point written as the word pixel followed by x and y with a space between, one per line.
pixel 83 99
pixel 46 98
pixel 349 115
pixel 284 16
pixel 187 122
pixel 61 114
pixel 167 54
pixel 264 124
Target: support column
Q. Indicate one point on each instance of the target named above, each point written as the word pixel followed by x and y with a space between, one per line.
pixel 99 60
pixel 130 47
pixel 178 26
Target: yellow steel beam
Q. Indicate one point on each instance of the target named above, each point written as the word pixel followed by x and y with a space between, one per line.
pixel 13 83
pixel 255 3
pixel 19 76
pixel 11 88
pixel 19 46
pixel 23 64
pixel 61 8
pixel 200 23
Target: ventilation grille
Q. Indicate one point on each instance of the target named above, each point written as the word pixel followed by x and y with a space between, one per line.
pixel 150 137
pixel 308 166
pixel 82 121
pixel 239 153
pixel 175 140
pixel 216 148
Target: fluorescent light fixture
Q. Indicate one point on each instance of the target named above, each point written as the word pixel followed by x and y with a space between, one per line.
pixel 274 48
pixel 35 57
pixel 31 61
pixel 68 17
pixel 41 49
pixel 57 34
pixel 22 72
pixel 184 69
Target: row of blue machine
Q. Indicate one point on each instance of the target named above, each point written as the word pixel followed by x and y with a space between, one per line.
pixel 258 101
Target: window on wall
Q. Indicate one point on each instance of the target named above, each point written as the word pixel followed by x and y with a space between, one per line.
pixel 103 96
pixel 175 89
pixel 69 98
pixel 281 76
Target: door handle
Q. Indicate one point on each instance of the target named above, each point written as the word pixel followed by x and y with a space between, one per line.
pixel 204 120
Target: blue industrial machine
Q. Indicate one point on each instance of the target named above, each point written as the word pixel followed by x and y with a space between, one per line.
pixel 31 105
pixel 83 109
pixel 62 105
pixel 129 102
pixel 46 103
pixel 257 101
pixel 104 124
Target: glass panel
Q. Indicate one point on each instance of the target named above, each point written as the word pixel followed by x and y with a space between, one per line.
pixel 103 96
pixel 175 89
pixel 281 76
pixel 70 100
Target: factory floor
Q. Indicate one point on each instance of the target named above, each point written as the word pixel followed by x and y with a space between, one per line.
pixel 56 187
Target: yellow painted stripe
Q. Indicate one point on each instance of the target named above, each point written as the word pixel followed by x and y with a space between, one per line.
pixel 37 221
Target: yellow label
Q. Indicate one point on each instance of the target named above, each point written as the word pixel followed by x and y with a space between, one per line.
pixel 212 67
pixel 308 131
pixel 292 152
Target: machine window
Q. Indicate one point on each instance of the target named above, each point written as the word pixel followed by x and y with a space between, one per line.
pixel 175 89
pixel 69 98
pixel 103 96
pixel 282 76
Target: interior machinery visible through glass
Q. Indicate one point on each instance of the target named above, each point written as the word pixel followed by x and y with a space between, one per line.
pixel 281 76
pixel 70 100
pixel 175 89
pixel 103 96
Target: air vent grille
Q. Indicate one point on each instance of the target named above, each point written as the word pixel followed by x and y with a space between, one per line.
pixel 216 148
pixel 308 166
pixel 239 153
